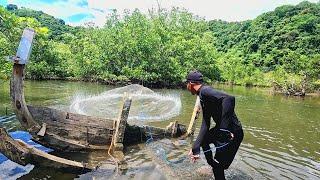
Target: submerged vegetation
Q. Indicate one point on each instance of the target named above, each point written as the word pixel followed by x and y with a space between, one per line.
pixel 280 49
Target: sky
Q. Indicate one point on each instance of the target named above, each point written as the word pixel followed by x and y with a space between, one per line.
pixel 77 12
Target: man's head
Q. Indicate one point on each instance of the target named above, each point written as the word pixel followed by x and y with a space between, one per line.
pixel 194 81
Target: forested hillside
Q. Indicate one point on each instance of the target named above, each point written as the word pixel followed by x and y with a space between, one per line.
pixel 279 48
pixel 57 26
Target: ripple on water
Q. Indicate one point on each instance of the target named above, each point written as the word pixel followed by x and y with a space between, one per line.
pixel 275 164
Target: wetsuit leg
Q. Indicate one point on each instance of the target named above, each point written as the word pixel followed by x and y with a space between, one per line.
pixel 218 173
pixel 217 169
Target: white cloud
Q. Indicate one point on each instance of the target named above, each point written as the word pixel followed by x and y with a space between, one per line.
pixel 229 10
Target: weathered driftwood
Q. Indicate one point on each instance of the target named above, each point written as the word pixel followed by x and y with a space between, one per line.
pixel 42 130
pixel 116 147
pixel 135 133
pixel 64 130
pixel 68 131
pixel 18 100
pixel 72 132
pixel 22 153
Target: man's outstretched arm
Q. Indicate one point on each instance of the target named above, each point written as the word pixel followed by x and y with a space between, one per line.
pixel 203 130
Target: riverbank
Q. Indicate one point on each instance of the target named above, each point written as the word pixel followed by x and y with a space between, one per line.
pixel 166 84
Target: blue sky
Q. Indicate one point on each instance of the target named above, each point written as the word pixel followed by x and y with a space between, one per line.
pixel 77 12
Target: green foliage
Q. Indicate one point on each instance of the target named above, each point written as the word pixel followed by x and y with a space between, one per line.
pixel 8 32
pixel 39 70
pixel 11 29
pixel 159 48
pixel 57 26
pixel 287 38
pixel 12 7
pixel 279 48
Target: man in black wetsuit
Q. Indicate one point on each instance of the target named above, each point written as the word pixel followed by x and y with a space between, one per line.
pixel 220 107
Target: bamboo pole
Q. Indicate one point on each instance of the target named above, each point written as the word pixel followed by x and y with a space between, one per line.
pixel 194 117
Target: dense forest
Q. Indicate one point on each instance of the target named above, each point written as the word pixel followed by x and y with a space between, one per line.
pixel 279 49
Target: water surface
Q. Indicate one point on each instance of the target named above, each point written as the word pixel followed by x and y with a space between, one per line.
pixel 282 134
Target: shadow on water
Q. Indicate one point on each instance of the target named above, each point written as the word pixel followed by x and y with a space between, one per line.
pixel 281 137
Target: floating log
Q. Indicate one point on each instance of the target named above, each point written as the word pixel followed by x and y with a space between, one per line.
pixel 22 153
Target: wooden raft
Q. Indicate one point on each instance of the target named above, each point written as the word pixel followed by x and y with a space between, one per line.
pixel 67 131
pixel 22 153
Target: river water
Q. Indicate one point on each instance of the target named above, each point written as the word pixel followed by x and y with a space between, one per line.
pixel 282 134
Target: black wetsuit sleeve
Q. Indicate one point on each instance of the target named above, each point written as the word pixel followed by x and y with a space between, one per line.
pixel 203 130
pixel 228 104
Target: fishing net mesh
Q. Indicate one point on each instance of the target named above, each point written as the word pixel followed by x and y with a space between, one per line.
pixel 176 165
pixel 146 104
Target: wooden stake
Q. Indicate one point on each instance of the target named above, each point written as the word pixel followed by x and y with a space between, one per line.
pixel 42 130
pixel 121 124
pixel 194 117
pixel 18 101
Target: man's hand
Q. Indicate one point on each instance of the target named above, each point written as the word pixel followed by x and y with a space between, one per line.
pixel 193 157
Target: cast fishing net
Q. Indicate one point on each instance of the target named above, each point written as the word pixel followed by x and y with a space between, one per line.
pixel 154 106
pixel 170 159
